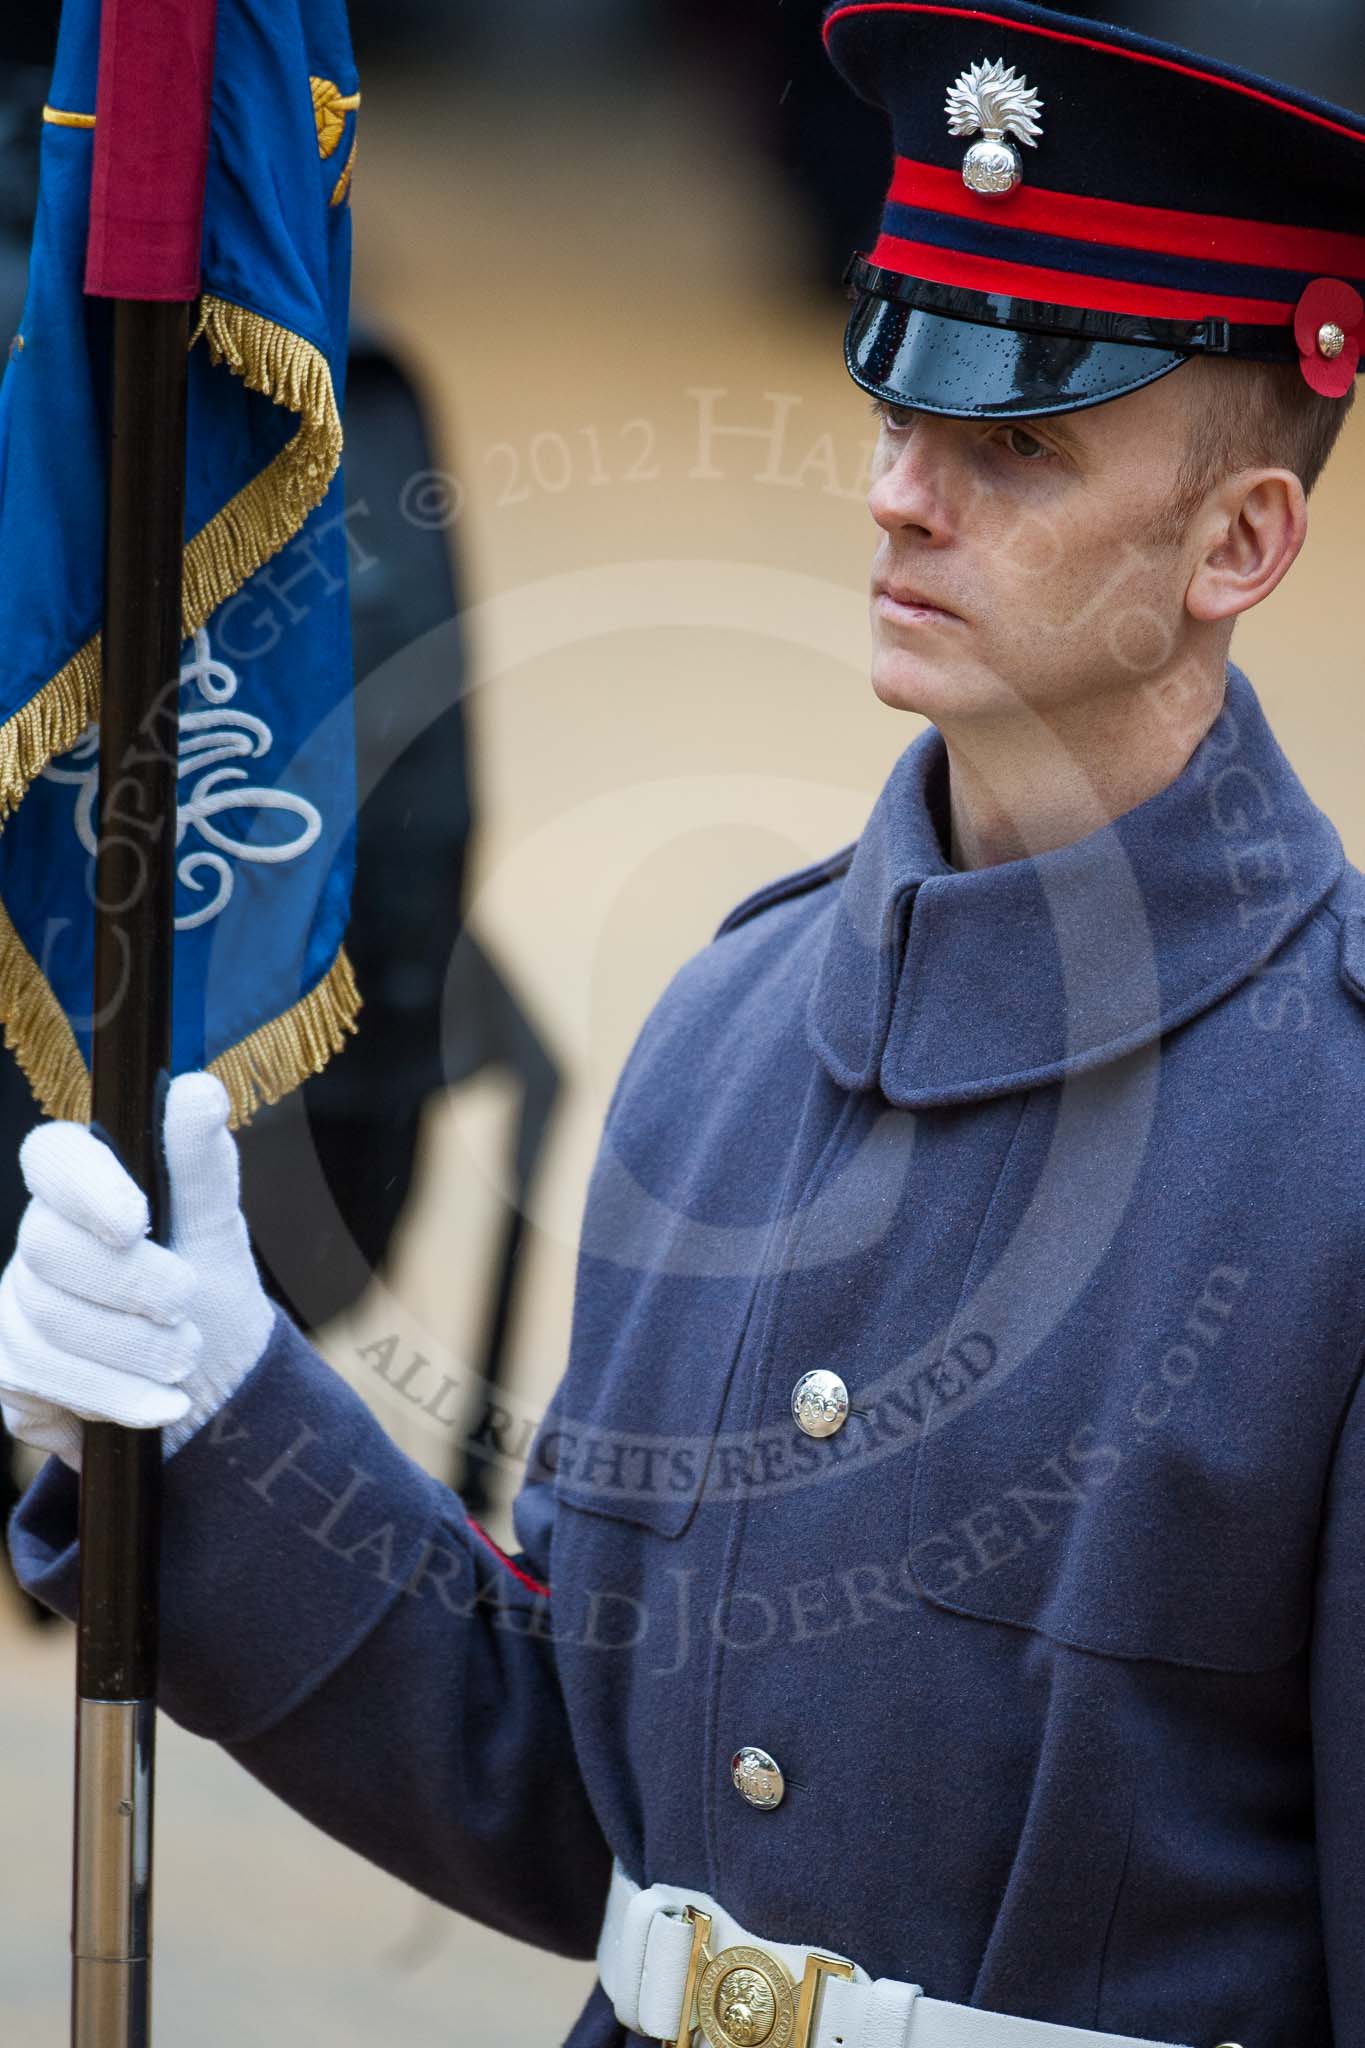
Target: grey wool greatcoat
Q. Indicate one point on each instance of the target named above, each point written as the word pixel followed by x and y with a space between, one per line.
pixel 1059 1642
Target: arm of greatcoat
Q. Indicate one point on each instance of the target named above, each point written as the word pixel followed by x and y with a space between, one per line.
pixel 1338 1724
pixel 334 1619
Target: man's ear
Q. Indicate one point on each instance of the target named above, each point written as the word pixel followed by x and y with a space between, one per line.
pixel 1251 534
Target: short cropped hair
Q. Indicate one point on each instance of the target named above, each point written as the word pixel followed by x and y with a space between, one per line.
pixel 1246 415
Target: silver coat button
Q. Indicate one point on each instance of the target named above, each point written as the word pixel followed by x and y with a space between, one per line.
pixel 757 1778
pixel 820 1403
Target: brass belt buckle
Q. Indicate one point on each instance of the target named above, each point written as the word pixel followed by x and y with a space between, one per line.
pixel 745 1998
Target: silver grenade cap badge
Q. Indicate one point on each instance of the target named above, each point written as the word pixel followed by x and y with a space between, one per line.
pixel 995 103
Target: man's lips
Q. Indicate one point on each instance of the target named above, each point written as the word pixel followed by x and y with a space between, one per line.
pixel 900 601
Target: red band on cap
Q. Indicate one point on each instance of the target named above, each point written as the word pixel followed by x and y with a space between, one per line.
pixel 1070 287
pixel 1056 35
pixel 1157 230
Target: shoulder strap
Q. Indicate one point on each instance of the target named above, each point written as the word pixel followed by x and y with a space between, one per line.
pixel 1351 953
pixel 798 884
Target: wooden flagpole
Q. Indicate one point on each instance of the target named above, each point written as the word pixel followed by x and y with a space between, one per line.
pixel 134 881
pixel 147 186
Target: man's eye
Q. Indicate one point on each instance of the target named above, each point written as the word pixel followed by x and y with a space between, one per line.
pixel 896 417
pixel 1025 445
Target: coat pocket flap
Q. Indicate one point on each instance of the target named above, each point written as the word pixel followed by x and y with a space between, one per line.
pixel 1145 1508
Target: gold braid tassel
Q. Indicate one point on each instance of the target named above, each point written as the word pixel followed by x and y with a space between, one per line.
pixel 253 526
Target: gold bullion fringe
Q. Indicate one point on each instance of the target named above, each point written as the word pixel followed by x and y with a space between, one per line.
pixel 37 1033
pixel 266 513
pixel 273 1059
pixel 261 519
pixel 261 1068
pixel 49 724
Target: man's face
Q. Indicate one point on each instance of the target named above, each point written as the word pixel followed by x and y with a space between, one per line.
pixel 1043 539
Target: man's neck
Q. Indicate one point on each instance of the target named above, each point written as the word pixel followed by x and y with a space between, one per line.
pixel 1027 785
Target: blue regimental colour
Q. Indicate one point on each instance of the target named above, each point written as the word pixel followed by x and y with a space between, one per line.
pixel 263 989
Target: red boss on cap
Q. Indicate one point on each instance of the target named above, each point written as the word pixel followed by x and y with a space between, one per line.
pixel 1329 325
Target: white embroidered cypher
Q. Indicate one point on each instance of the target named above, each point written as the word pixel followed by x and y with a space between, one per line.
pixel 208 739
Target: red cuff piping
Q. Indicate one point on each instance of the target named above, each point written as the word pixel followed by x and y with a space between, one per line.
pixel 533 1585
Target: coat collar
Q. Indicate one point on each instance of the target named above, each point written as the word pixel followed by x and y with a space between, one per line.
pixel 944 986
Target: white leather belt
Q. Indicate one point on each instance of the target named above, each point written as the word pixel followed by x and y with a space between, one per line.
pixel 673 1961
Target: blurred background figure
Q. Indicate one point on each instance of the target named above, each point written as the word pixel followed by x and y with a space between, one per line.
pixel 832 151
pixel 357 1119
pixel 326 1172
pixel 1254 38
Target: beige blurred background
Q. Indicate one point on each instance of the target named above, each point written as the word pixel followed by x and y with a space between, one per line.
pixel 669 633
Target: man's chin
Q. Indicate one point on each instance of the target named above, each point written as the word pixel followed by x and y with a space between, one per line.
pixel 918 683
pixel 937 687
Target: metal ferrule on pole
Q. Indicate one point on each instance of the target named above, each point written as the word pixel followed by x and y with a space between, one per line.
pixel 111 1931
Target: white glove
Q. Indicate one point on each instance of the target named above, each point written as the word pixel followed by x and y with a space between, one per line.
pixel 97 1321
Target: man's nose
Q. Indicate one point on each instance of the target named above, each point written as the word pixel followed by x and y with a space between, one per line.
pixel 915 486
